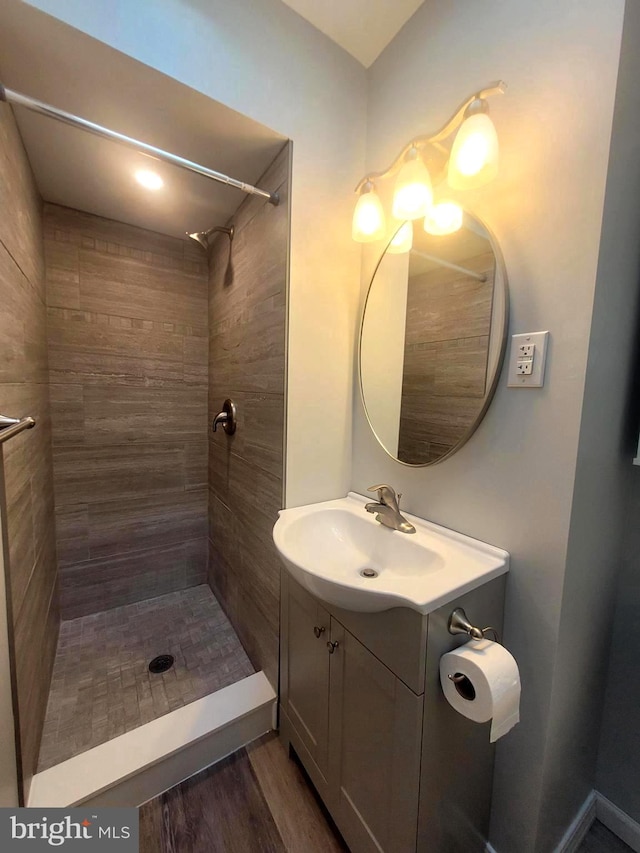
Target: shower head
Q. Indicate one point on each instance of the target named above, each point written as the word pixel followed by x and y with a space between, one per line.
pixel 202 237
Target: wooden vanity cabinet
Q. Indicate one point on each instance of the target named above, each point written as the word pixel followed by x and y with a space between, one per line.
pixel 397 768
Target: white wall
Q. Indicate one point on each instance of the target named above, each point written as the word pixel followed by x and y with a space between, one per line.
pixel 265 61
pixel 512 484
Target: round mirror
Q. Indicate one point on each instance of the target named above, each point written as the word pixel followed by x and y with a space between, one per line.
pixel 432 339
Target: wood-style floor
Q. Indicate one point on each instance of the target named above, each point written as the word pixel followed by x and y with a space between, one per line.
pixel 255 801
pixel 259 801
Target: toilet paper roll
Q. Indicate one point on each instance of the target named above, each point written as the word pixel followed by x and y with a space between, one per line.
pixel 486 685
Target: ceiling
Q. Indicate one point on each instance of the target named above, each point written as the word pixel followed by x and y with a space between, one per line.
pixel 362 27
pixel 42 57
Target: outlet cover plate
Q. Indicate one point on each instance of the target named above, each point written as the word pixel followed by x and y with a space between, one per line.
pixel 536 378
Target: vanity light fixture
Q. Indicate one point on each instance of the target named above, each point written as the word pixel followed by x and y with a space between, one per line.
pixel 474 155
pixel 413 195
pixel 445 217
pixel 402 240
pixel 464 152
pixel 368 217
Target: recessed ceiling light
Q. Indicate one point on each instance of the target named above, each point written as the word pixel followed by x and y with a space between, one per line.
pixel 149 180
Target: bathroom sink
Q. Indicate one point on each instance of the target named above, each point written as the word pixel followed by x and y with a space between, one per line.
pixel 341 554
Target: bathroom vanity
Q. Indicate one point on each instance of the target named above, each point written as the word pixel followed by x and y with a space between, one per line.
pixel 361 704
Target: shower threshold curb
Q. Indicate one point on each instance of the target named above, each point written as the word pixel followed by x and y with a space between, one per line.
pixel 145 762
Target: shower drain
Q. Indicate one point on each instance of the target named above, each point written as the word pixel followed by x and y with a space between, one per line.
pixel 161 664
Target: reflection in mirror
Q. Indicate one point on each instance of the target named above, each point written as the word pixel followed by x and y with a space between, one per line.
pixel 432 341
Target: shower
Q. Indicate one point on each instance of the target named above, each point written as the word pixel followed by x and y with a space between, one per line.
pixel 202 237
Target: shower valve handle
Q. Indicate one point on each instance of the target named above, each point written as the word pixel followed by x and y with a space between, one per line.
pixel 226 418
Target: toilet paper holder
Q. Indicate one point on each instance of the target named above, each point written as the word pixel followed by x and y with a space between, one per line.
pixel 459 624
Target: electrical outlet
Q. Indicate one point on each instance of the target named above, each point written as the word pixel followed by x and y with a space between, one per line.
pixel 526 350
pixel 527 360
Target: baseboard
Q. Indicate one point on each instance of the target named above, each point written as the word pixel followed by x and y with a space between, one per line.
pixel 619 822
pixel 579 827
pixel 145 762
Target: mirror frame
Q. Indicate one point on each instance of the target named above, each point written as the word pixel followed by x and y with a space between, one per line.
pixel 499 365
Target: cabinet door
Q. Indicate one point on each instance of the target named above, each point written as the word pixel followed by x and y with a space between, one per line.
pixel 307 695
pixel 375 749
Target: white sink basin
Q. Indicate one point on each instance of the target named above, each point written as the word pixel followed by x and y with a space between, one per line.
pixel 325 546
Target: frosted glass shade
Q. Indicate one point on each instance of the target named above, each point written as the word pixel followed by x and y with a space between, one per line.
pixel 474 156
pixel 413 194
pixel 402 240
pixel 443 218
pixel 368 217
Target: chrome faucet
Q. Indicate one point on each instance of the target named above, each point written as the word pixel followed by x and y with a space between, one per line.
pixel 387 509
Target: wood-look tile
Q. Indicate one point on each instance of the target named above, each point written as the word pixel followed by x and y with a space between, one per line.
pixel 295 809
pixel 62 274
pixel 86 348
pixel 256 362
pixel 32 445
pixel 196 360
pixel 456 368
pixel 126 287
pixel 26 459
pixel 260 641
pixel 219 461
pixel 196 561
pixel 223 581
pixel 94 474
pixel 196 463
pixel 35 636
pixel 255 496
pixel 127 414
pixel 67 414
pixel 20 232
pixel 259 252
pixel 259 435
pixel 151 521
pixel 23 351
pixel 259 574
pixel 22 543
pixel 96 232
pixel 445 305
pixel 72 533
pixel 221 810
pixel 113 581
pixel 434 419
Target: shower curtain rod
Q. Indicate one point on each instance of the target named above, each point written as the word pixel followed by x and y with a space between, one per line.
pixel 75 121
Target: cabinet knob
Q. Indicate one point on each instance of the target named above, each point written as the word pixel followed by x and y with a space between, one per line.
pixel 332 646
pixel 319 631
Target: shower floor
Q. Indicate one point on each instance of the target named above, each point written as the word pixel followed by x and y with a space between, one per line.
pixel 101 685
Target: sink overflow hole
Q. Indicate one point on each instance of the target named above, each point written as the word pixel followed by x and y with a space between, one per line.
pixel 369 573
pixel 161 664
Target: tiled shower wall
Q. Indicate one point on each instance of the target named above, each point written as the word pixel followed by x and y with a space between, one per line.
pixel 31 569
pixel 128 342
pixel 445 357
pixel 247 318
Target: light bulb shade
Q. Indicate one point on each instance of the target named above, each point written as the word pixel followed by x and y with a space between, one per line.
pixel 402 240
pixel 474 155
pixel 368 217
pixel 413 194
pixel 443 218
